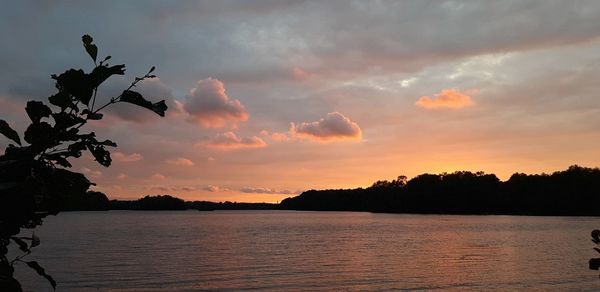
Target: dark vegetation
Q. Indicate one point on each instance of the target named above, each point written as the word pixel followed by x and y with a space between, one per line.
pixel 161 202
pixel 34 178
pixel 167 202
pixel 572 192
pixel 575 191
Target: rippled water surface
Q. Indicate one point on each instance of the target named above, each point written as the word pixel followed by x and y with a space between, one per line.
pixel 327 251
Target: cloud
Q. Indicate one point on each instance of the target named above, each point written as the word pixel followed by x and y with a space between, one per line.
pixel 275 136
pixel 252 190
pixel 180 161
pixel 230 141
pixel 173 188
pixel 91 173
pixel 121 157
pixel 208 105
pixel 157 176
pixel 334 126
pixel 122 176
pixel 211 188
pixel 448 98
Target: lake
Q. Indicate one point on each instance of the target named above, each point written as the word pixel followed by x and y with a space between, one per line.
pixel 326 251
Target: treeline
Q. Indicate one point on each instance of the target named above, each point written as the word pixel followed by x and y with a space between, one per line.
pixel 575 191
pixel 93 201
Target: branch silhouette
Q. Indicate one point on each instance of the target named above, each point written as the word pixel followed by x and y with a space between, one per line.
pixel 34 178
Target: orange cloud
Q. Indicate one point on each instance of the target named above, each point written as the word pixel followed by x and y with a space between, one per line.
pixel 180 161
pixel 448 98
pixel 208 105
pixel 334 126
pixel 118 156
pixel 122 176
pixel 230 141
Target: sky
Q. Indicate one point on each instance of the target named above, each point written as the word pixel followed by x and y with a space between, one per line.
pixel 271 98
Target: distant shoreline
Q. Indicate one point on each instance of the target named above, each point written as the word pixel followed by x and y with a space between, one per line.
pixel 572 192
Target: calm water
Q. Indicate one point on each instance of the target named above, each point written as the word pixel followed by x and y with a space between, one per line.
pixel 329 251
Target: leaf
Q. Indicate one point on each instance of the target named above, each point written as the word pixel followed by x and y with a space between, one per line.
pixel 101 154
pixel 76 148
pixel 59 159
pixel 34 265
pixel 95 116
pixel 108 143
pixel 91 48
pixel 7 131
pixel 36 110
pixel 594 263
pixel 103 72
pixel 22 244
pixel 596 234
pixel 35 240
pixel 76 83
pixel 38 133
pixel 64 120
pixel 136 98
pixel 92 115
pixel 62 100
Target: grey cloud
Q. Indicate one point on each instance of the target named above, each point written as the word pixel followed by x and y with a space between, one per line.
pixel 209 105
pixel 334 126
pixel 191 40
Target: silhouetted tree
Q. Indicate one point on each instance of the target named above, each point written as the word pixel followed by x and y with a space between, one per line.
pixel 34 180
pixel 164 202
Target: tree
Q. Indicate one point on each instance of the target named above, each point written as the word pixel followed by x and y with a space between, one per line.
pixel 34 175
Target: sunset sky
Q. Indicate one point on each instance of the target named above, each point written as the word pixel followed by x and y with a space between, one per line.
pixel 271 98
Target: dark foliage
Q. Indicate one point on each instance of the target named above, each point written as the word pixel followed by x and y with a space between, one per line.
pixel 211 206
pixel 89 201
pixel 595 262
pixel 160 202
pixel 574 191
pixel 166 202
pixel 34 180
